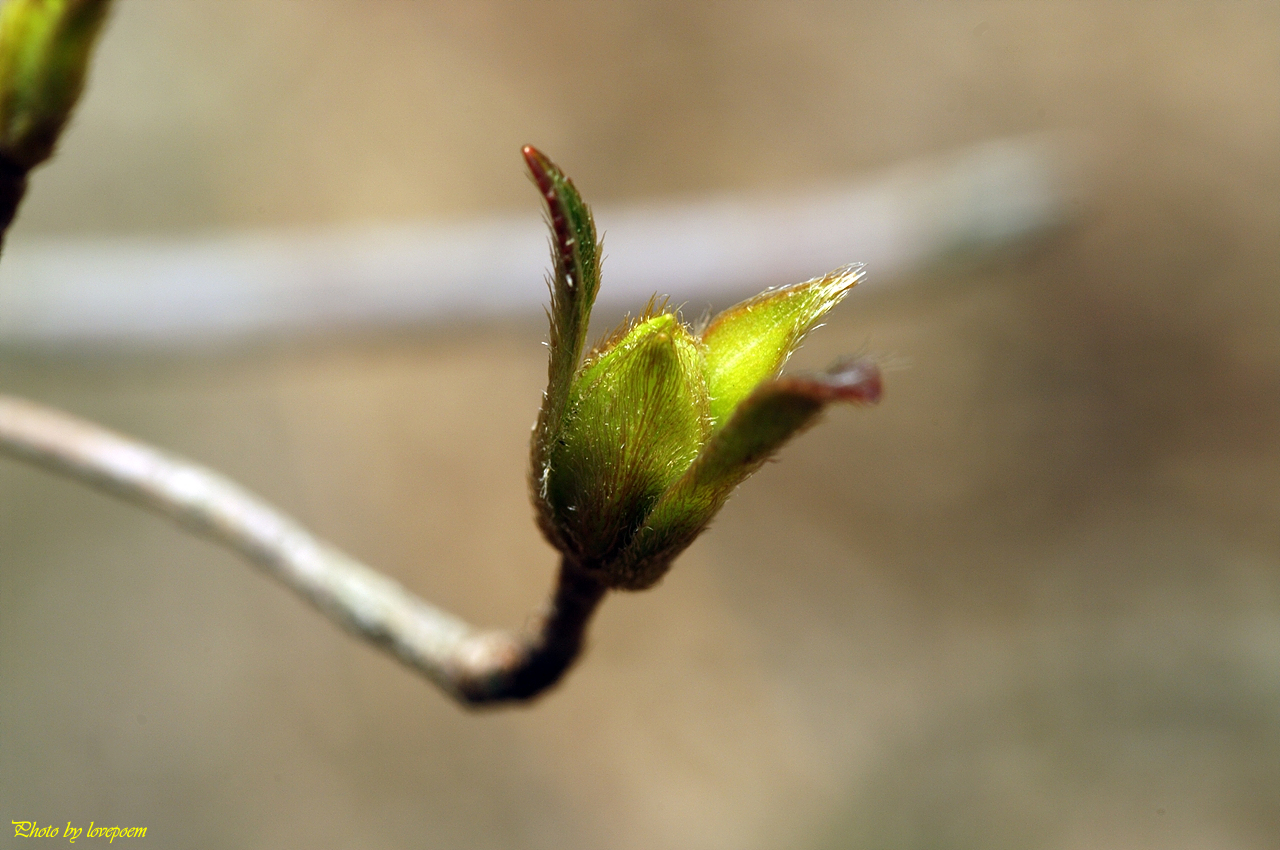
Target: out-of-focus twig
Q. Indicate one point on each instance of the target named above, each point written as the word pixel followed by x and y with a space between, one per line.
pixel 474 666
pixel 181 291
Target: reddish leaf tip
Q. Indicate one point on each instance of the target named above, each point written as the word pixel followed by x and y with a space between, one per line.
pixel 539 166
pixel 856 380
pixel 853 381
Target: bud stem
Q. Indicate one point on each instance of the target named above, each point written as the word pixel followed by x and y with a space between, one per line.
pixel 545 656
pixel 13 186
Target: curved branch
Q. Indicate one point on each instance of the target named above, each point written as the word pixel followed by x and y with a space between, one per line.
pixel 471 665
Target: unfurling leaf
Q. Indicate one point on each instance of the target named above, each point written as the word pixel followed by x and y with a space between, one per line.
pixel 750 342
pixel 575 256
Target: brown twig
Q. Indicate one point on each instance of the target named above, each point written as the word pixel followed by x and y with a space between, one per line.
pixel 474 666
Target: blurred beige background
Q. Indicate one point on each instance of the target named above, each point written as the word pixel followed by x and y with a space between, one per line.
pixel 1031 601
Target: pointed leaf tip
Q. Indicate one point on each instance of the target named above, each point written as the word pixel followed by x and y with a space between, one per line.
pixel 749 342
pixel 540 168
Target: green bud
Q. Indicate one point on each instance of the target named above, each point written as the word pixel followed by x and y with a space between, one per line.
pixel 637 447
pixel 45 46
pixel 637 416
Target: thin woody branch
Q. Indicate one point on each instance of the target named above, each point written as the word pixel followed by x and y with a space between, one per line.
pixel 473 666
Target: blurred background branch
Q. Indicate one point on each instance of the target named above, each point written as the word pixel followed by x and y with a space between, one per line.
pixel 175 291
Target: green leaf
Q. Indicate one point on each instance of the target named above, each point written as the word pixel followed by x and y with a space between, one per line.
pixel 575 257
pixel 636 418
pixel 749 343
pixel 45 46
pixel 774 413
